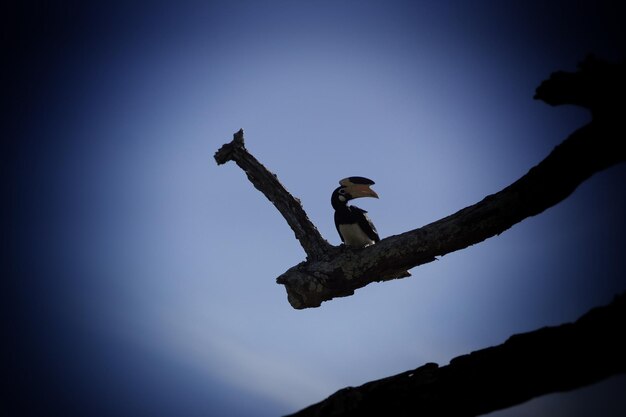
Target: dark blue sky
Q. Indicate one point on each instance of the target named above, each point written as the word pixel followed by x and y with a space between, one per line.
pixel 141 276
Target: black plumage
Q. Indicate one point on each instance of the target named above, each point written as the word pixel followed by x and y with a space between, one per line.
pixel 353 224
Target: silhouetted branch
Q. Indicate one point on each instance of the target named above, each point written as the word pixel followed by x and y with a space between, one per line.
pixel 527 365
pixel 334 272
pixel 312 242
pixel 598 85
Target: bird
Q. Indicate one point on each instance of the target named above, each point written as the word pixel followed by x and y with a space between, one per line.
pixel 353 224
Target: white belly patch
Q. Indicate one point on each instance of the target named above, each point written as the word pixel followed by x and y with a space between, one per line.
pixel 354 236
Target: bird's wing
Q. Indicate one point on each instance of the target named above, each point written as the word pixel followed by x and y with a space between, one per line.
pixel 337 221
pixel 366 223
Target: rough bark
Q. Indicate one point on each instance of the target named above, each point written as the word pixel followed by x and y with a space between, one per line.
pixel 290 207
pixel 527 365
pixel 587 151
pixel 337 271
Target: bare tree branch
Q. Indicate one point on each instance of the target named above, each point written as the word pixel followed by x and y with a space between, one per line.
pixel 338 271
pixel 312 242
pixel 527 365
pixel 587 151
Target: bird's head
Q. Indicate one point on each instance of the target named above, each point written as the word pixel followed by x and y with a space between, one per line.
pixel 351 188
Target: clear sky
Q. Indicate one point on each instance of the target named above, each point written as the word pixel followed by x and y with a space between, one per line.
pixel 142 276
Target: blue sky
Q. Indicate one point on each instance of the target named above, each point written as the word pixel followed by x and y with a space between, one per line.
pixel 142 279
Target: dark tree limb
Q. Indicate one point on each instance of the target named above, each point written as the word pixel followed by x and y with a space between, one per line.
pixel 527 365
pixel 312 242
pixel 334 272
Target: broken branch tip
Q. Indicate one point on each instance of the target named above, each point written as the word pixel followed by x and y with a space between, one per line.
pixel 225 153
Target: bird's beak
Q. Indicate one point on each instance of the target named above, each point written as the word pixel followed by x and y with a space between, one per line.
pixel 362 190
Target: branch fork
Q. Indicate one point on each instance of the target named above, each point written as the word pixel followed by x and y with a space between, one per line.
pixel 337 271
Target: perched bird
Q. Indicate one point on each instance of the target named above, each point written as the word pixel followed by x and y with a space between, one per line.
pixel 353 224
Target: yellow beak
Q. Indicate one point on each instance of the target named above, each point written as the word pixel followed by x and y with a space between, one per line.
pixel 361 190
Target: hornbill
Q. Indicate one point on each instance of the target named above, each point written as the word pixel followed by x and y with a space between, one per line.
pixel 353 224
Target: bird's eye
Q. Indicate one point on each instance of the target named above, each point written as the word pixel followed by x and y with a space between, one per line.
pixel 342 191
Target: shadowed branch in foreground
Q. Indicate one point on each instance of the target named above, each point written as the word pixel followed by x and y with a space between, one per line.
pixel 331 271
pixel 527 365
